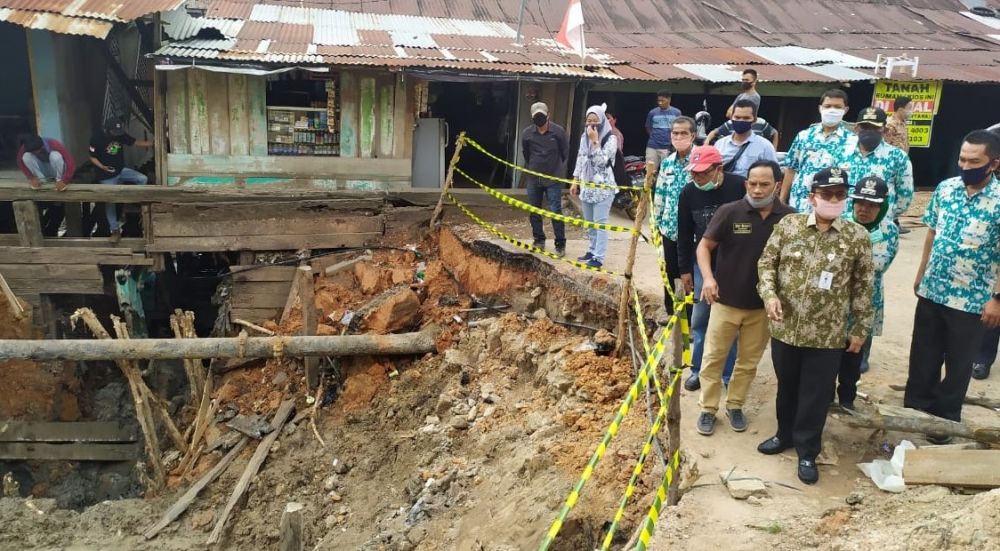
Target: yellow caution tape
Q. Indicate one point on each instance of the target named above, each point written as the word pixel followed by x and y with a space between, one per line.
pixel 661 497
pixel 542 212
pixel 475 145
pixel 521 244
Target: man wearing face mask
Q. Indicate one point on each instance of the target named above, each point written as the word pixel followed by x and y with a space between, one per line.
pixel 670 180
pixel 821 145
pixel 545 147
pixel 875 157
pixel 727 257
pixel 870 198
pixel 896 132
pixel 743 147
pixel 710 188
pixel 815 273
pixel 956 285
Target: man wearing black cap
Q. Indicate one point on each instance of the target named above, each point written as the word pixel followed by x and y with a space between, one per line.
pixel 107 153
pixel 869 209
pixel 875 157
pixel 545 149
pixel 815 273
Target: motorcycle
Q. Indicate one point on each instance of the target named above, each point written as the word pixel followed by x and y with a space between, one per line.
pixel 628 200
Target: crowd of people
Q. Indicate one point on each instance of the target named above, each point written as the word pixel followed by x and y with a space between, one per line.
pixel 794 254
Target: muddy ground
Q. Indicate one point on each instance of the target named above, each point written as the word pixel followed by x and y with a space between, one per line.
pixel 477 447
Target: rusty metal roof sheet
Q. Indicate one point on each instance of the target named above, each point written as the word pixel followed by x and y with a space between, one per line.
pixel 110 10
pixel 57 23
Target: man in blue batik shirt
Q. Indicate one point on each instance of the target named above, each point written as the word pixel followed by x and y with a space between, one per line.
pixel 956 285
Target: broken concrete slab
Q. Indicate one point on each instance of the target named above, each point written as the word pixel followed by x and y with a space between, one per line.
pixel 391 311
pixel 742 487
pixel 254 426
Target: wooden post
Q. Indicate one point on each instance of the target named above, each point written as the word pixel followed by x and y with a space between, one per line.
pixel 293 295
pixel 674 414
pixel 309 322
pixel 290 534
pixel 623 301
pixel 29 224
pixel 12 302
pixel 459 144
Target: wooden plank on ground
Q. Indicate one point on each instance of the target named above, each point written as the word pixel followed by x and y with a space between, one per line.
pixel 243 274
pixel 951 467
pixel 239 125
pixel 84 431
pixel 263 243
pixel 255 315
pixel 44 451
pixel 177 114
pixel 51 271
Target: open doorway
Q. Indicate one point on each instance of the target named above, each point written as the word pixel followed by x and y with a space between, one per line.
pixel 17 111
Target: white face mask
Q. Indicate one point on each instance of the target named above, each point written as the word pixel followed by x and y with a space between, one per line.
pixel 832 116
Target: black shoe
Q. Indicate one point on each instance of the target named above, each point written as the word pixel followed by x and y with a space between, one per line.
pixel 706 423
pixel 737 420
pixel 594 263
pixel 980 371
pixel 772 446
pixel 585 257
pixel 938 439
pixel 808 472
pixel 539 245
pixel 692 383
pixel 560 251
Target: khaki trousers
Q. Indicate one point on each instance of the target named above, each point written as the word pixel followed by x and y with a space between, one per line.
pixel 725 325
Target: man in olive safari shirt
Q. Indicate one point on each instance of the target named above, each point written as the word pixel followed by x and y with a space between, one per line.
pixel 816 272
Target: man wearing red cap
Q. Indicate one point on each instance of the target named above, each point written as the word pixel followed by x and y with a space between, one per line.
pixel 709 189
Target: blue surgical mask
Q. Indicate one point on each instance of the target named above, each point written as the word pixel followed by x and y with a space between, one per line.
pixel 741 127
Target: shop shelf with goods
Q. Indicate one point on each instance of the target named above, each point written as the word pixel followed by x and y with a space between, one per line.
pixel 301 131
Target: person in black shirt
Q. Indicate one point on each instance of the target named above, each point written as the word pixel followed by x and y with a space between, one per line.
pixel 107 153
pixel 709 189
pixel 545 148
pixel 727 256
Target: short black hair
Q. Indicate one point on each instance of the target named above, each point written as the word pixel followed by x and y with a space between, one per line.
pixel 835 93
pixel 684 119
pixel 742 103
pixel 750 72
pixel 901 102
pixel 775 168
pixel 32 143
pixel 987 138
pixel 664 94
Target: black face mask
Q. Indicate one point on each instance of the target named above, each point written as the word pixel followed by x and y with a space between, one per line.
pixel 869 139
pixel 540 119
pixel 747 85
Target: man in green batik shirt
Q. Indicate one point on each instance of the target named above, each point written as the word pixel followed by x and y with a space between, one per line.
pixel 816 273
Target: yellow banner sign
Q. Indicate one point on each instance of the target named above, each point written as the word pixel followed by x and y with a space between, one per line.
pixel 926 96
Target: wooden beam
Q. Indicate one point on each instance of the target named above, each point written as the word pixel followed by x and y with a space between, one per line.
pixel 290 537
pixel 950 467
pixel 185 501
pixel 82 255
pixel 893 418
pixel 387 169
pixel 278 422
pixel 251 347
pixel 263 243
pixel 12 301
pixel 85 431
pixel 44 451
pixel 57 286
pixel 990 403
pixel 52 271
pixel 256 272
pixel 159 121
pixel 255 314
pixel 29 225
pixel 97 193
pixel 307 299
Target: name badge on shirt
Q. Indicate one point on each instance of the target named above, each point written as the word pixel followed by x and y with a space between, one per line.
pixel 742 228
pixel 825 280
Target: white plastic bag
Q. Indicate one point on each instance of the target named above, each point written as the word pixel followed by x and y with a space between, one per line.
pixel 888 475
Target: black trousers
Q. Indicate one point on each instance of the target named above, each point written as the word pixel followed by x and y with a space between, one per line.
pixel 673 270
pixel 850 373
pixel 941 335
pixel 806 379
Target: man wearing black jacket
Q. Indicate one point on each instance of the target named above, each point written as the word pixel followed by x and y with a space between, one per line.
pixel 709 189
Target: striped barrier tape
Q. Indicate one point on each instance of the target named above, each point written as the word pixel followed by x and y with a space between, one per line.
pixel 521 244
pixel 640 383
pixel 646 448
pixel 475 145
pixel 661 497
pixel 542 212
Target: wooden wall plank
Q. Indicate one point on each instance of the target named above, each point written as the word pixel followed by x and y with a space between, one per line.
pixel 292 167
pixel 53 255
pixel 348 114
pixel 402 118
pixel 951 467
pixel 257 114
pixel 263 242
pixel 199 134
pixel 29 223
pixel 366 117
pixel 177 112
pixel 217 104
pixel 23 287
pixel 204 226
pixel 386 115
pixel 51 271
pixel 255 315
pixel 258 272
pixel 84 431
pixel 239 124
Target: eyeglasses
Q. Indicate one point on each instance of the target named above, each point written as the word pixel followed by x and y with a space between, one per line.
pixel 832 195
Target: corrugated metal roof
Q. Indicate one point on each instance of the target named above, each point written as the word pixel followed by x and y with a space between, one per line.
pixel 178 25
pixel 57 23
pixel 797 55
pixel 111 10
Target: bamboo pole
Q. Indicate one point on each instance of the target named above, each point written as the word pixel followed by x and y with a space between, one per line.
pixel 401 344
pixel 623 300
pixel 459 143
pixel 674 413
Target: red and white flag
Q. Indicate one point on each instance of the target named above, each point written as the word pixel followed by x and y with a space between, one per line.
pixel 571 33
